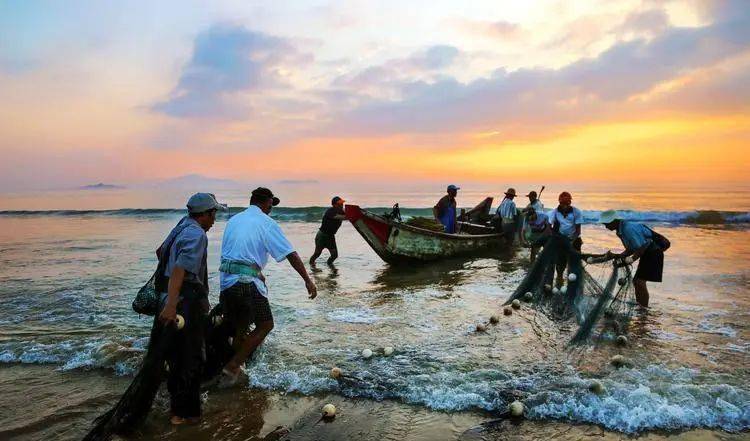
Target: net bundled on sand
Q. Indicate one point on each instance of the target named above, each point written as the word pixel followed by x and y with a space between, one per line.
pixel 597 294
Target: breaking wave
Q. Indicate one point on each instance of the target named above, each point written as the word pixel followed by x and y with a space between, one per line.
pixel 314 214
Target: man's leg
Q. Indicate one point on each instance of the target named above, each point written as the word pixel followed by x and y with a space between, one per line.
pixel 318 251
pixel 258 312
pixel 562 263
pixel 319 246
pixel 641 292
pixel 334 255
pixel 534 250
pixel 186 363
pixel 248 345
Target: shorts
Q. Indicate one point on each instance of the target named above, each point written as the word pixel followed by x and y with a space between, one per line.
pixel 325 240
pixel 650 265
pixel 242 304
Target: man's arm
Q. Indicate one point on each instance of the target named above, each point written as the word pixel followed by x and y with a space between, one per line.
pixel 296 263
pixel 169 313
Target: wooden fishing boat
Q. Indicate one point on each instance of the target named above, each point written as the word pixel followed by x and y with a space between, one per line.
pixel 396 242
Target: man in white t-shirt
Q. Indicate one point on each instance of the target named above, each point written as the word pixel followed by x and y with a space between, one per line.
pixel 249 239
pixel 566 220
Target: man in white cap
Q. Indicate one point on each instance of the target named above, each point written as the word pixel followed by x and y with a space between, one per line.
pixel 641 243
pixel 186 280
pixel 445 210
pixel 249 239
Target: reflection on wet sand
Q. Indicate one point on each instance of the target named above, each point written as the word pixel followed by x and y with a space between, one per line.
pixel 446 274
pixel 326 278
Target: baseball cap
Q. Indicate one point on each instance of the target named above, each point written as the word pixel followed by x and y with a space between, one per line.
pixel 453 187
pixel 266 193
pixel 531 193
pixel 202 202
pixel 336 200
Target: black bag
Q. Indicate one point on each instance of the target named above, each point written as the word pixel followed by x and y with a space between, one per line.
pixel 148 297
pixel 660 241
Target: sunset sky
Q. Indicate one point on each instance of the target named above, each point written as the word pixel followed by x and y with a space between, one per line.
pixel 642 91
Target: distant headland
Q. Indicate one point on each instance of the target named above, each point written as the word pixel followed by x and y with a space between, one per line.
pixel 101 186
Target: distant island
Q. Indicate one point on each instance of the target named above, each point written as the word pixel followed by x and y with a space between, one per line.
pixel 101 186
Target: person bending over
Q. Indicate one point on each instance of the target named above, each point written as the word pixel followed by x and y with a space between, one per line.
pixel 326 237
pixel 641 243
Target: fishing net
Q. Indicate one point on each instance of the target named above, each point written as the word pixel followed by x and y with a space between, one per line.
pixel 425 223
pixel 595 291
pixel 129 413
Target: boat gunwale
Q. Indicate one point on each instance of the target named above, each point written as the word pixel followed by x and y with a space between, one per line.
pixel 426 232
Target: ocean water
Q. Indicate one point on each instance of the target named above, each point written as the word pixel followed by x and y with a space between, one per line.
pixel 67 277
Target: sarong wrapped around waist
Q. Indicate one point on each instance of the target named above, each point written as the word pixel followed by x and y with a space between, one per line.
pixel 245 270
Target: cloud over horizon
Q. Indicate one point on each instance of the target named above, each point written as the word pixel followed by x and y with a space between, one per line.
pixel 227 60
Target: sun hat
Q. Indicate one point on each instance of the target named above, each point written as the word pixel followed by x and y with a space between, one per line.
pixel 511 192
pixel 608 216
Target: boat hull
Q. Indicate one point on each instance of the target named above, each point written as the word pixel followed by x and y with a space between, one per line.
pixel 396 242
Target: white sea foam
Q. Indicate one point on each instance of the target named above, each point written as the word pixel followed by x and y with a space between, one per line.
pixel 654 398
pixel 353 315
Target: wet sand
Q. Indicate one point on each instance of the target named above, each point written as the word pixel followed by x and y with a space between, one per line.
pixel 245 414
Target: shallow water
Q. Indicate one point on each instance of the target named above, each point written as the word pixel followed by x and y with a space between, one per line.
pixel 66 282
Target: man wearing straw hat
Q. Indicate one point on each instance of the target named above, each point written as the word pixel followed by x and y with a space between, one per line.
pixel 641 243
pixel 508 214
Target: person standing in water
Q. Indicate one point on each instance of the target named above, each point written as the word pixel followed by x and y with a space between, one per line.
pixel 249 238
pixel 508 214
pixel 534 202
pixel 326 237
pixel 641 243
pixel 187 293
pixel 566 220
pixel 445 210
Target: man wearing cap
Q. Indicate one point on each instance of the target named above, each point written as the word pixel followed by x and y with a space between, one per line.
pixel 534 203
pixel 326 237
pixel 249 238
pixel 445 210
pixel 508 214
pixel 641 243
pixel 566 220
pixel 185 249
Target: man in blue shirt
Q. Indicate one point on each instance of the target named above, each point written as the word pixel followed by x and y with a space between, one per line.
pixel 639 243
pixel 566 220
pixel 187 292
pixel 445 210
pixel 508 214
